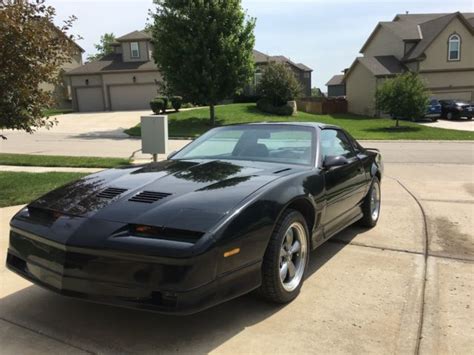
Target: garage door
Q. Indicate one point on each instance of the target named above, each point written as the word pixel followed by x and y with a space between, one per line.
pixel 454 95
pixel 90 99
pixel 131 97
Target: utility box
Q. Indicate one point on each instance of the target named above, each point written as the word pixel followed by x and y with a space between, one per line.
pixel 154 134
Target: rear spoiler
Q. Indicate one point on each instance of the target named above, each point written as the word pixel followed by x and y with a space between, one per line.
pixel 376 149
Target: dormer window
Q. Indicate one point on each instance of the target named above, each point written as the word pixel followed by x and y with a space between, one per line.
pixel 454 47
pixel 134 50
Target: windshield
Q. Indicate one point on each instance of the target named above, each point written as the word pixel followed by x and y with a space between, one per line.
pixel 268 143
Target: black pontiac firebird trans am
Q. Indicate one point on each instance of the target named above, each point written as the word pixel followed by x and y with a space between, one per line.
pixel 238 209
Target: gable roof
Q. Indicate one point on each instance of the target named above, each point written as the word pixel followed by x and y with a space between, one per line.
pixel 112 63
pixel 135 36
pixel 379 66
pixel 336 80
pixel 420 28
pixel 262 58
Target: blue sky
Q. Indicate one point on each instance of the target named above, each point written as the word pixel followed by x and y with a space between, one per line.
pixel 326 35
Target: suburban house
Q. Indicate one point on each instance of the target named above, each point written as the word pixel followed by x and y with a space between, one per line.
pixel 128 78
pixel 336 86
pixel 440 47
pixel 62 90
pixel 124 80
pixel 301 71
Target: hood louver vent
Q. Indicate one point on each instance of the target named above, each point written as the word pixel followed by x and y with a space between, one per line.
pixel 111 192
pixel 149 196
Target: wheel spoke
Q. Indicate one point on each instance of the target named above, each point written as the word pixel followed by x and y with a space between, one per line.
pixel 282 251
pixel 289 238
pixel 283 271
pixel 291 269
pixel 295 247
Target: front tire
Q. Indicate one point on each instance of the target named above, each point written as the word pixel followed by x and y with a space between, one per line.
pixel 286 259
pixel 371 205
pixel 449 116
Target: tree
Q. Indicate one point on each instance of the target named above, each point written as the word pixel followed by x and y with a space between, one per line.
pixel 104 47
pixel 203 48
pixel 32 51
pixel 316 92
pixel 278 84
pixel 404 96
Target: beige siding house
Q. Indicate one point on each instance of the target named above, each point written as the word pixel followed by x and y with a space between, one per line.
pixel 62 90
pixel 301 71
pixel 124 80
pixel 440 47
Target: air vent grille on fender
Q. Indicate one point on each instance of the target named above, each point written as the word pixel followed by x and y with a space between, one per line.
pixel 149 196
pixel 111 192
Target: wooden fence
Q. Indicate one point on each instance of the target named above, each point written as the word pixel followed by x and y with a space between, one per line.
pixel 322 106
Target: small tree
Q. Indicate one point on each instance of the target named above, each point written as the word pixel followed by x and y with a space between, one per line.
pixel 203 48
pixel 278 84
pixel 32 51
pixel 404 96
pixel 104 47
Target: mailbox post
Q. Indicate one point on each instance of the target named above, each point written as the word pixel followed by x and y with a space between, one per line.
pixel 154 135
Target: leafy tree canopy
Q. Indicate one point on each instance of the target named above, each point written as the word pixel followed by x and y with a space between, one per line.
pixel 32 51
pixel 203 48
pixel 404 96
pixel 278 84
pixel 104 47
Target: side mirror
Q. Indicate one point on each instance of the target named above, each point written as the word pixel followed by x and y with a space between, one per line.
pixel 170 155
pixel 333 161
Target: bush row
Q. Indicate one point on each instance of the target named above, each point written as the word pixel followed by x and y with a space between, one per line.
pixel 161 103
pixel 266 105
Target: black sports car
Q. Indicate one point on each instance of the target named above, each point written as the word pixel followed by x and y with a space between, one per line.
pixel 238 209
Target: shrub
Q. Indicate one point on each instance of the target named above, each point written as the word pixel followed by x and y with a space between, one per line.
pixel 244 98
pixel 158 105
pixel 266 105
pixel 176 102
pixel 187 105
pixel 404 96
pixel 278 84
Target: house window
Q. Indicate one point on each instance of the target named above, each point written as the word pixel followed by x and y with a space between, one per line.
pixel 306 75
pixel 257 78
pixel 134 50
pixel 454 47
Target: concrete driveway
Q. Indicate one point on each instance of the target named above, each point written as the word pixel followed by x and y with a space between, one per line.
pixel 365 291
pixel 461 124
pixel 104 124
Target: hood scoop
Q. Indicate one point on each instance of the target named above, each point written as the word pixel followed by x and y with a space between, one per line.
pixel 149 196
pixel 111 192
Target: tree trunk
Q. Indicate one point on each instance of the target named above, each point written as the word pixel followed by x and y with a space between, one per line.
pixel 397 124
pixel 213 114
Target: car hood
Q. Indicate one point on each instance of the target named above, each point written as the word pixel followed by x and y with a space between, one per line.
pixel 189 195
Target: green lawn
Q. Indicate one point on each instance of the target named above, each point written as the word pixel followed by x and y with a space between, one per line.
pixel 18 187
pixel 64 161
pixel 57 111
pixel 195 122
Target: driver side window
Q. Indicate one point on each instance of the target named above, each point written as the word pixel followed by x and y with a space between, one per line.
pixel 334 142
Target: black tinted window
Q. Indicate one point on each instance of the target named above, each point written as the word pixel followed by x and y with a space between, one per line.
pixel 334 142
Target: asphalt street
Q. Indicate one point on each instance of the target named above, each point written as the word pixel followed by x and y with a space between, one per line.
pixel 404 287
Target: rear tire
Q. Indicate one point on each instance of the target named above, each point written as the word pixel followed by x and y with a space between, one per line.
pixel 289 245
pixel 371 205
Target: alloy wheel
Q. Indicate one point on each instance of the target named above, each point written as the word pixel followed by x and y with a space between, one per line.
pixel 375 201
pixel 293 255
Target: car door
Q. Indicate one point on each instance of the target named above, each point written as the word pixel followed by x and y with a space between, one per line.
pixel 345 184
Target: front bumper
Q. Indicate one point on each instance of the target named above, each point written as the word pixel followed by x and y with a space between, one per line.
pixel 129 280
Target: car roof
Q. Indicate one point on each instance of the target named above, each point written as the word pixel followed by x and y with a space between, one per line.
pixel 319 125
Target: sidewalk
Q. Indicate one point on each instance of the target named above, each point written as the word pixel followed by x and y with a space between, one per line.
pixel 47 169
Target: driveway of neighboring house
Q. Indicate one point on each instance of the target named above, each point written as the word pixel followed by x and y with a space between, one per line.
pixel 460 124
pixel 107 124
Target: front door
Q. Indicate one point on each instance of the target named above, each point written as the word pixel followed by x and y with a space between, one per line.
pixel 344 185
